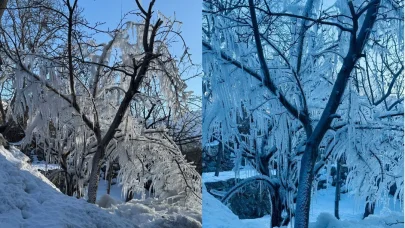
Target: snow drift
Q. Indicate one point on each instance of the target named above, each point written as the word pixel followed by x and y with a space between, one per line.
pixel 29 199
pixel 153 213
pixel 389 219
pixel 216 214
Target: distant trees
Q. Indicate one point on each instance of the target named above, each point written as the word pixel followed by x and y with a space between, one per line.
pixel 302 76
pixel 80 95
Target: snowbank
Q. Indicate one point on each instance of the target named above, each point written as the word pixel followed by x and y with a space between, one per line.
pixel 216 214
pixel 152 213
pixel 149 212
pixel 28 199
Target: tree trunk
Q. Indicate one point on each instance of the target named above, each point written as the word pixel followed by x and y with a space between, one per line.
pixel 276 215
pixel 305 185
pixel 60 185
pixel 69 185
pixel 130 196
pixel 95 175
pixel 337 193
pixel 369 209
pixel 357 42
pixel 219 159
pixel 78 192
pixel 109 177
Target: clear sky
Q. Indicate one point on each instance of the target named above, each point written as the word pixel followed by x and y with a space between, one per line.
pixel 186 11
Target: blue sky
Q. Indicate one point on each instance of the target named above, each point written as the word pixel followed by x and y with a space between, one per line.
pixel 187 11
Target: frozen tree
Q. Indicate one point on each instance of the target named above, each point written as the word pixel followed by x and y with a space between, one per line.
pixel 78 94
pixel 154 156
pixel 185 129
pixel 291 69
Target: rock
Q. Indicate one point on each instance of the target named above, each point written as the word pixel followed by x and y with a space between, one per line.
pixel 343 174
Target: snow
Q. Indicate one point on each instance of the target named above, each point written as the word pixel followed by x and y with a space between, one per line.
pixel 213 143
pixel 392 220
pixel 158 213
pixel 243 173
pixel 149 212
pixel 115 191
pixel 29 199
pixel 44 167
pixel 350 208
pixel 216 214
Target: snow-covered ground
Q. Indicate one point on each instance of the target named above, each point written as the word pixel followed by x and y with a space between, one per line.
pixel 115 191
pixel 150 212
pixel 154 213
pixel 216 214
pixel 29 199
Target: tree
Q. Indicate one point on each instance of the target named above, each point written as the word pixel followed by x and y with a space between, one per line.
pixel 84 89
pixel 297 62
